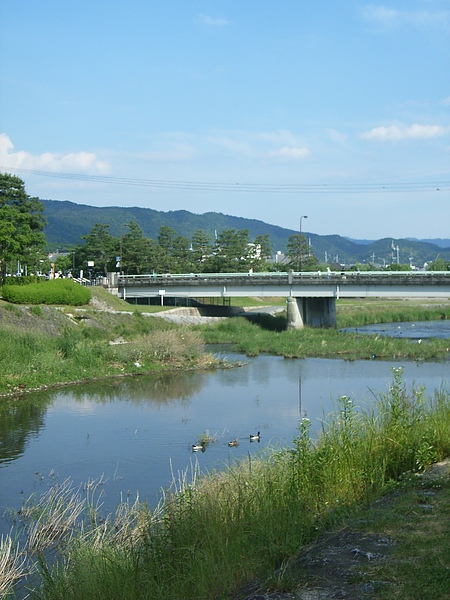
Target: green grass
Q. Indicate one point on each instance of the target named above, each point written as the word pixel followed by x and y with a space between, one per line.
pixel 50 347
pixel 253 339
pixel 352 313
pixel 45 346
pixel 56 291
pixel 211 535
pixel 204 539
pixel 418 522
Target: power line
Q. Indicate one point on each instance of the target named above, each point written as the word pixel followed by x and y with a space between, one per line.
pixel 281 188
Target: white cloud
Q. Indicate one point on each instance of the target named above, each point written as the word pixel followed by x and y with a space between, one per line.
pixel 170 151
pixel 336 136
pixel 389 17
pixel 446 101
pixel 277 146
pixel 380 14
pixel 212 21
pixel 405 132
pixel 279 137
pixel 84 162
pixel 287 154
pixel 236 143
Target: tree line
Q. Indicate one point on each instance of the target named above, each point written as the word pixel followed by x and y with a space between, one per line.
pixel 23 246
pixel 230 251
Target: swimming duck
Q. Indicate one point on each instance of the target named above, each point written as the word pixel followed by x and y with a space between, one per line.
pixel 234 442
pixel 255 438
pixel 198 447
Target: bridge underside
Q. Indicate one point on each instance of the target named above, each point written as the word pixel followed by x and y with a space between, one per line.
pixel 313 312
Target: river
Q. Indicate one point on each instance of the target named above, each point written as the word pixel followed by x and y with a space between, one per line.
pixel 136 433
pixel 414 330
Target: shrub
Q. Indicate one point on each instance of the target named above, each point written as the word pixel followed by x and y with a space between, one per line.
pixel 24 280
pixel 57 291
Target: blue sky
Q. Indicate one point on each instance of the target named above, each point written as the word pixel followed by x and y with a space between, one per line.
pixel 335 109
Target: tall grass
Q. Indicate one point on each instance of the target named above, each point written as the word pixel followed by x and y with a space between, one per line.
pixel 33 356
pixel 212 534
pixel 252 339
pixel 355 314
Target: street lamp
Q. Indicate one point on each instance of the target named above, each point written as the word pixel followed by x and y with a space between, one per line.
pixel 300 243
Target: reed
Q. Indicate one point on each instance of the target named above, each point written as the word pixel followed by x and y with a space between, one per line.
pixel 47 354
pixel 365 313
pixel 252 339
pixel 12 564
pixel 212 534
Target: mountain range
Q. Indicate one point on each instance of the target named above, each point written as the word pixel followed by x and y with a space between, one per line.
pixel 67 222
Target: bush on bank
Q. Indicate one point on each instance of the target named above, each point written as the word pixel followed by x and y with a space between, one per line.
pixel 24 280
pixel 55 291
pixel 211 535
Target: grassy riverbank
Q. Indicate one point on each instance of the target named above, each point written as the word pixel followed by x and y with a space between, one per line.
pixel 271 337
pixel 211 536
pixel 354 313
pixel 45 346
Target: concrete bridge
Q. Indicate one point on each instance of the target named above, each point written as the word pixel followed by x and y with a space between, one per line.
pixel 311 297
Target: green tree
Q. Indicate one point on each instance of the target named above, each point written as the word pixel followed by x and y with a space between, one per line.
pixel 262 251
pixel 182 255
pixel 21 225
pixel 437 265
pixel 231 252
pixel 101 248
pixel 263 241
pixel 166 236
pixel 135 250
pixel 165 255
pixel 299 254
pixel 201 248
pixel 398 267
pixel 155 257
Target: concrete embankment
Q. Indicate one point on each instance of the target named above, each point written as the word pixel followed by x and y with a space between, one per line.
pixel 193 316
pixel 209 314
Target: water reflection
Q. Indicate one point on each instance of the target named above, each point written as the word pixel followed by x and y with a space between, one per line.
pixel 20 419
pixel 163 389
pixel 136 432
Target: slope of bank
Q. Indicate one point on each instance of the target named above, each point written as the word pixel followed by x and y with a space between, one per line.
pixel 394 548
pixel 48 346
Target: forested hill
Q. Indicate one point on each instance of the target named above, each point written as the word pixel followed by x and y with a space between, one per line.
pixel 68 222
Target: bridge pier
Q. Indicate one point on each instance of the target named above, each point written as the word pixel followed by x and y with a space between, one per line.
pixel 314 312
pixel 295 313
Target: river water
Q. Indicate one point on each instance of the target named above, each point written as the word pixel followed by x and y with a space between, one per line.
pixel 137 433
pixel 415 330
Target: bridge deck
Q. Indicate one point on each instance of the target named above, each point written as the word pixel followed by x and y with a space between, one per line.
pixel 314 285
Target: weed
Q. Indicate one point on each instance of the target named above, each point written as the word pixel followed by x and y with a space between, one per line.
pixel 204 538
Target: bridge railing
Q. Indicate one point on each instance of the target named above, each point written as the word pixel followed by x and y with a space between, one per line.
pixel 290 277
